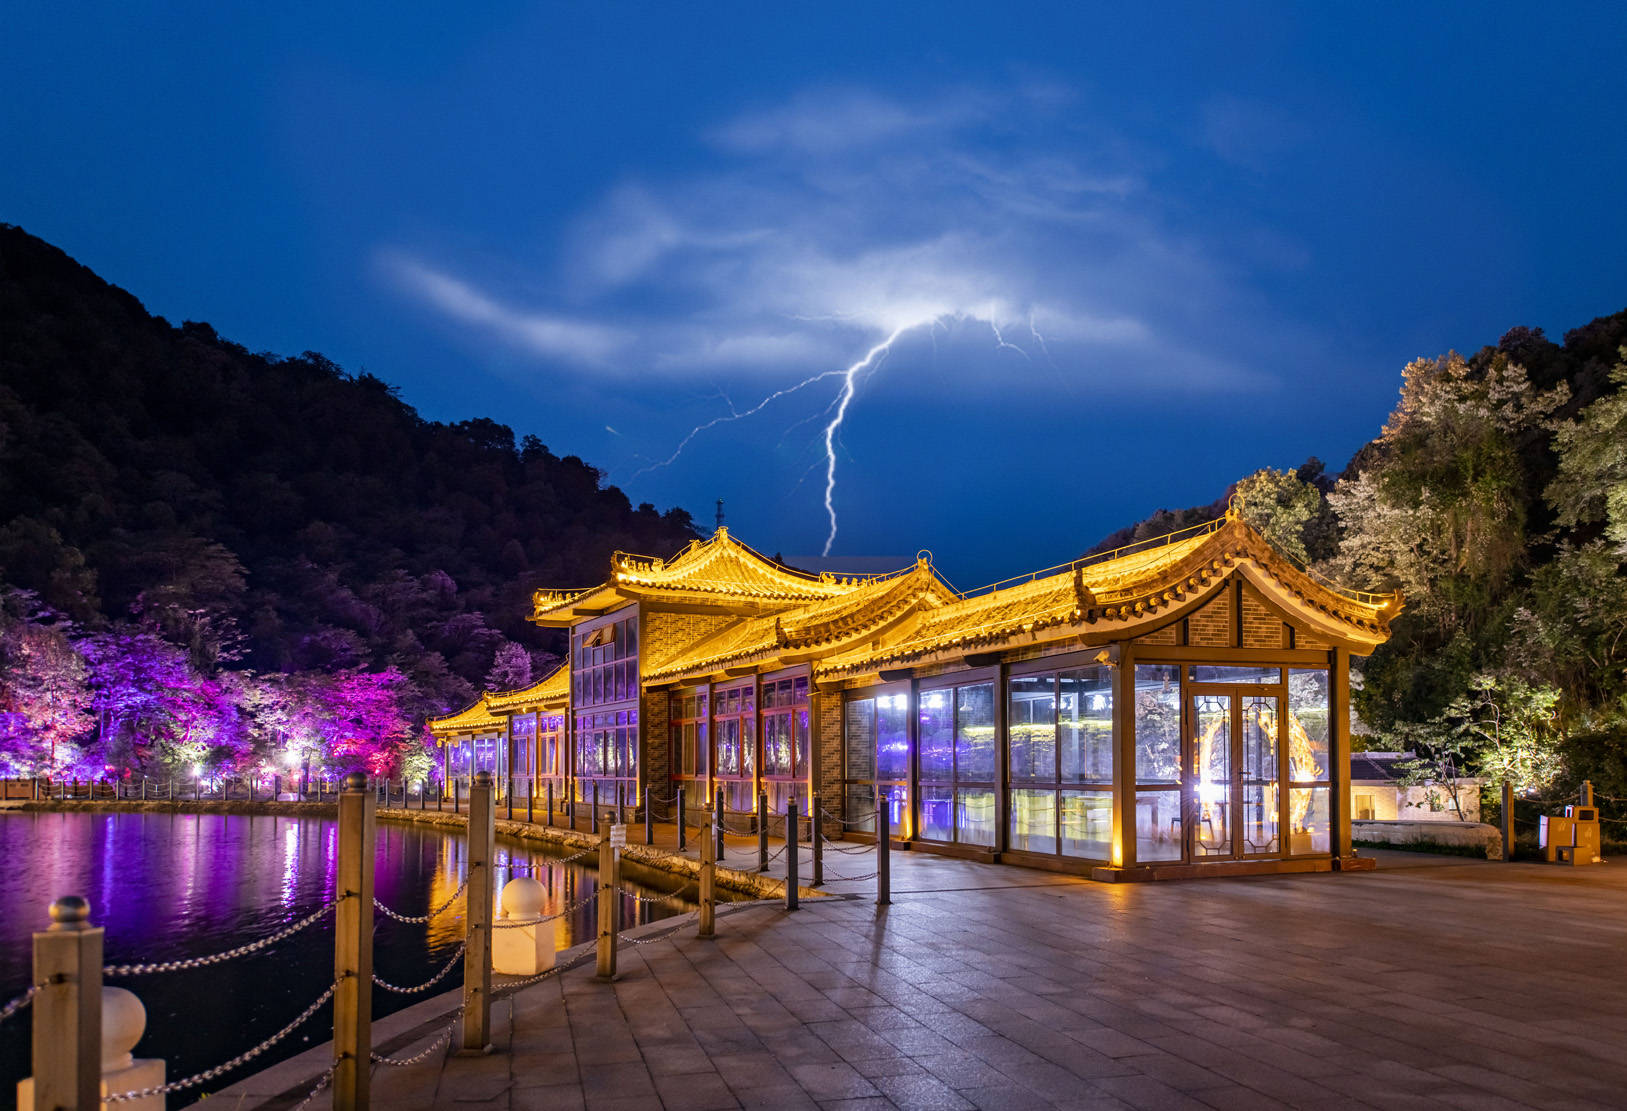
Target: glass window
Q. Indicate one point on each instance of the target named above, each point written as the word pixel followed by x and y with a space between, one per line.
pixel 974 816
pixel 1158 826
pixel 937 739
pixel 1158 724
pixel 1308 828
pixel 975 748
pixel 1087 824
pixel 892 737
pixel 1033 821
pixel 1031 723
pixel 1085 725
pixel 1308 726
pixel 1219 673
pixel 938 813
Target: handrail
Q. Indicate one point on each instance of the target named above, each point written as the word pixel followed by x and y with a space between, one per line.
pixel 1099 557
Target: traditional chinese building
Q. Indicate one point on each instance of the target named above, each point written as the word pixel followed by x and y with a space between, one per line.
pixel 1177 707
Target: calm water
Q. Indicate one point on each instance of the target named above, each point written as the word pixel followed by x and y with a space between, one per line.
pixel 173 886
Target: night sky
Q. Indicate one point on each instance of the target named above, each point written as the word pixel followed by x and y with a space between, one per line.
pixel 1128 257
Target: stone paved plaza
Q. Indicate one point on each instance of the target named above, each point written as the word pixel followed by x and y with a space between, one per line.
pixel 1432 982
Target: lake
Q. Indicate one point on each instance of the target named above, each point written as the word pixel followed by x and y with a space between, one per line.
pixel 170 886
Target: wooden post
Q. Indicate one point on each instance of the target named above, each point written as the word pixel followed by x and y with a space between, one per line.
pixel 353 947
pixel 816 821
pixel 683 831
pixel 1339 759
pixel 477 954
pixel 68 1009
pixel 708 925
pixel 1508 819
pixel 609 904
pixel 762 831
pixel 791 854
pixel 884 835
pixel 718 822
pixel 1587 792
pixel 649 820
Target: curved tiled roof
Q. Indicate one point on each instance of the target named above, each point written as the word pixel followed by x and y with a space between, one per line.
pixel 554 688
pixel 475 717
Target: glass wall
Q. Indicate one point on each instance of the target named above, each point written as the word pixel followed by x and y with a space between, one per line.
pixel 876 743
pixel 1060 728
pixel 522 732
pixel 957 764
pixel 551 755
pixel 1158 829
pixel 786 764
pixel 691 748
pixel 605 689
pixel 734 733
pixel 1308 765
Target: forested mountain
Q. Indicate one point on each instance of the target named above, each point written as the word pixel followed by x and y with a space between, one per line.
pixel 273 515
pixel 1495 498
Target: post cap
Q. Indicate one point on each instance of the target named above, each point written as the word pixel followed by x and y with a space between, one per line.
pixel 70 910
pixel 355 781
pixel 482 779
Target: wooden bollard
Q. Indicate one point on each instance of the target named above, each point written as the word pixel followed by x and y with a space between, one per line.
pixel 1508 819
pixel 791 854
pixel 884 836
pixel 67 1047
pixel 708 919
pixel 816 823
pixel 353 947
pixel 477 950
pixel 609 906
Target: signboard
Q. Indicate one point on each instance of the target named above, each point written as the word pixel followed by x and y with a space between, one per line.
pixel 618 836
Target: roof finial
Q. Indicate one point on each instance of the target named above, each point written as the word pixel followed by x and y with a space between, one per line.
pixel 720 515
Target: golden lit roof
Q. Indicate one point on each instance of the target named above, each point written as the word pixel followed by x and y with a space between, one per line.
pixel 476 718
pixel 551 692
pixel 720 573
pixel 865 610
pixel 1120 594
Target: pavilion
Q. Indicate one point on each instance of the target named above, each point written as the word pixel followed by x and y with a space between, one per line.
pixel 1179 707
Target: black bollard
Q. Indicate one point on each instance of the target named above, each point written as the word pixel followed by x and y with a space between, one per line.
pixel 791 854
pixel 816 833
pixel 683 832
pixel 649 822
pixel 595 806
pixel 762 831
pixel 883 837
pixel 530 793
pixel 457 803
pixel 719 823
pixel 508 796
pixel 550 789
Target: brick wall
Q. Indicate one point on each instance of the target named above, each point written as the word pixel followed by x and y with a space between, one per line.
pixel 666 634
pixel 1211 626
pixel 1261 627
pixel 1169 634
pixel 826 711
pixel 657 746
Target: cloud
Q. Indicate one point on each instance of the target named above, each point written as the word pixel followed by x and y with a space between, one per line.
pixel 539 333
pixel 821 224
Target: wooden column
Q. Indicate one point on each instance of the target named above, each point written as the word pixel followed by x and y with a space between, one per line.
pixel 1124 759
pixel 1339 758
pixel 477 954
pixel 353 947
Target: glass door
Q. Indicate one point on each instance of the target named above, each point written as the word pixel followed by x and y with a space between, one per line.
pixel 1231 799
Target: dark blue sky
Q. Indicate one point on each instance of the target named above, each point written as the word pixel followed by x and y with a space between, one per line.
pixel 1129 257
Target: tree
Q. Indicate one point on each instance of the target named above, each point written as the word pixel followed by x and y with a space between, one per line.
pixel 1280 505
pixel 1591 485
pixel 1502 728
pixel 510 669
pixel 46 697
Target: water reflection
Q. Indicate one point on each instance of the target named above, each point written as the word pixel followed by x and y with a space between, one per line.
pixel 172 886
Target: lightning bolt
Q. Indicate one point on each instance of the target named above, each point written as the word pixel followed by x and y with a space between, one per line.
pixel 1000 341
pixel 734 415
pixel 872 358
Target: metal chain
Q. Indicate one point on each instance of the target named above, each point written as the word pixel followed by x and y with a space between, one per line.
pixel 22 1000
pixel 327 1078
pixel 829 878
pixel 647 899
pixel 217 958
pixel 387 986
pixel 403 1062
pixel 847 851
pixel 419 920
pixel 221 1069
pixel 665 935
pixel 509 989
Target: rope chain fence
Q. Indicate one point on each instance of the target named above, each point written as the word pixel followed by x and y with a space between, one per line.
pixel 427 984
pixel 220 958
